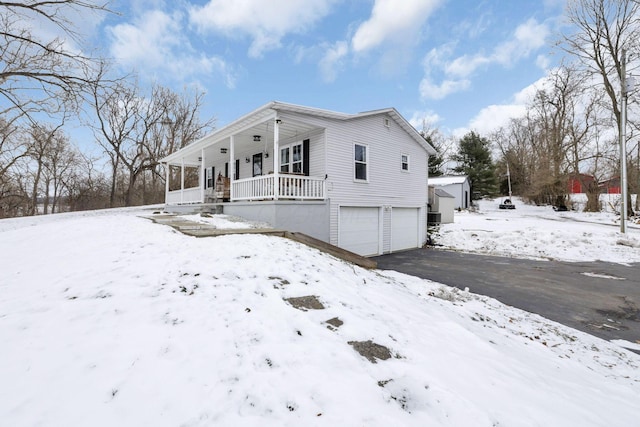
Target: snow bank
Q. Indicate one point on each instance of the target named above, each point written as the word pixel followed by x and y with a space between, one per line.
pixel 538 232
pixel 113 320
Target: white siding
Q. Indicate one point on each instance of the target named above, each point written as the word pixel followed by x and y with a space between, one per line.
pixel 316 149
pixel 387 185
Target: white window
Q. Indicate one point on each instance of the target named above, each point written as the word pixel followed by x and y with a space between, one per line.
pixel 360 157
pixel 291 158
pixel 405 162
pixel 208 182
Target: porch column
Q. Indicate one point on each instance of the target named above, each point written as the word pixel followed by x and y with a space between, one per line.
pixel 232 164
pixel 166 182
pixel 203 175
pixel 182 180
pixel 276 158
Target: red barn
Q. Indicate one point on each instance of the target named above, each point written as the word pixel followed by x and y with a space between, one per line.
pixel 579 183
pixel 611 186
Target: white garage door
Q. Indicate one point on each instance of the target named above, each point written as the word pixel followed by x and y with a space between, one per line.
pixel 404 228
pixel 360 230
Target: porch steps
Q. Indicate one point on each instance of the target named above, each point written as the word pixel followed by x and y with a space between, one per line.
pixel 191 228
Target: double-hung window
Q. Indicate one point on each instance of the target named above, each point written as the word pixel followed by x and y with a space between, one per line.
pixel 361 159
pixel 404 160
pixel 291 159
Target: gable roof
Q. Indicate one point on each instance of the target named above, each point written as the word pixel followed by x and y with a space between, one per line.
pixel 448 180
pixel 269 111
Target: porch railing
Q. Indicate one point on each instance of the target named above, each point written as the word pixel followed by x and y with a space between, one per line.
pixel 188 195
pixel 289 187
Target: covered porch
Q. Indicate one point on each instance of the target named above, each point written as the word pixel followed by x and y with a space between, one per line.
pixel 262 156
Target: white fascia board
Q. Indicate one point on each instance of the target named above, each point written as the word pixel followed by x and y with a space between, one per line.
pixel 259 115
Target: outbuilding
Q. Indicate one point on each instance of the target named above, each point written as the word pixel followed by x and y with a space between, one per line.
pixel 456 185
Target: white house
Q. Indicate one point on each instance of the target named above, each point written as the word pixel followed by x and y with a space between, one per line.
pixel 456 185
pixel 358 181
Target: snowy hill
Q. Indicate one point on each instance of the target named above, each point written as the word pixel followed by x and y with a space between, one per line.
pixel 108 319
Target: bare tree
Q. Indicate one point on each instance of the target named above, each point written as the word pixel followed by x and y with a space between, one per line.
pixel 60 162
pixel 87 186
pixel 43 140
pixel 514 142
pixel 117 112
pixel 37 74
pixel 603 30
pixel 137 131
pixel 13 150
pixel 560 137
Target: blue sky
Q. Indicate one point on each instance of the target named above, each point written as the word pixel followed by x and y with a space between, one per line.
pixel 458 64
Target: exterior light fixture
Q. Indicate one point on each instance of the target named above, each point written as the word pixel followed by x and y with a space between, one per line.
pixel 247 160
pixel 266 154
pixel 256 138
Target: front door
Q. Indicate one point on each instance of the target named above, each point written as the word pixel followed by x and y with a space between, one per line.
pixel 257 164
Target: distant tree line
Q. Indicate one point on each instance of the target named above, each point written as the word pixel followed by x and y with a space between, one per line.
pixel 44 84
pixel 571 127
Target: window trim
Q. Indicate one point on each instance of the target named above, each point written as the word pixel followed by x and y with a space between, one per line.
pixel 356 162
pixel 402 163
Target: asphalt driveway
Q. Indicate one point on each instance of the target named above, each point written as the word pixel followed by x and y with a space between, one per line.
pixel 599 298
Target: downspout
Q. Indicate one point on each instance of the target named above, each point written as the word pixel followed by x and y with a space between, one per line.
pixel 276 158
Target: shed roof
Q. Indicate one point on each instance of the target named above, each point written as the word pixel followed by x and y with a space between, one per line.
pixel 441 193
pixel 448 180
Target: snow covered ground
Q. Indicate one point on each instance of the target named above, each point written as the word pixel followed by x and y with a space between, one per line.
pixel 538 232
pixel 109 319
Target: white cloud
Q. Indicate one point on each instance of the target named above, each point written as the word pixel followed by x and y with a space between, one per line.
pixel 543 62
pixel 424 120
pixel 465 65
pixel 153 44
pixel 333 60
pixel 493 117
pixel 266 23
pixel 527 38
pixel 392 20
pixel 150 38
pixel 431 90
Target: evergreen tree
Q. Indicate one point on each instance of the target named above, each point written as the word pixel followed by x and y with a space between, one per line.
pixel 474 160
pixel 436 161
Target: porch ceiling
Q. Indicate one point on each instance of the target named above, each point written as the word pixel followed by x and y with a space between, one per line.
pixel 288 129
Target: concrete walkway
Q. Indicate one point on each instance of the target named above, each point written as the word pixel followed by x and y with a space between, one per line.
pixel 196 229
